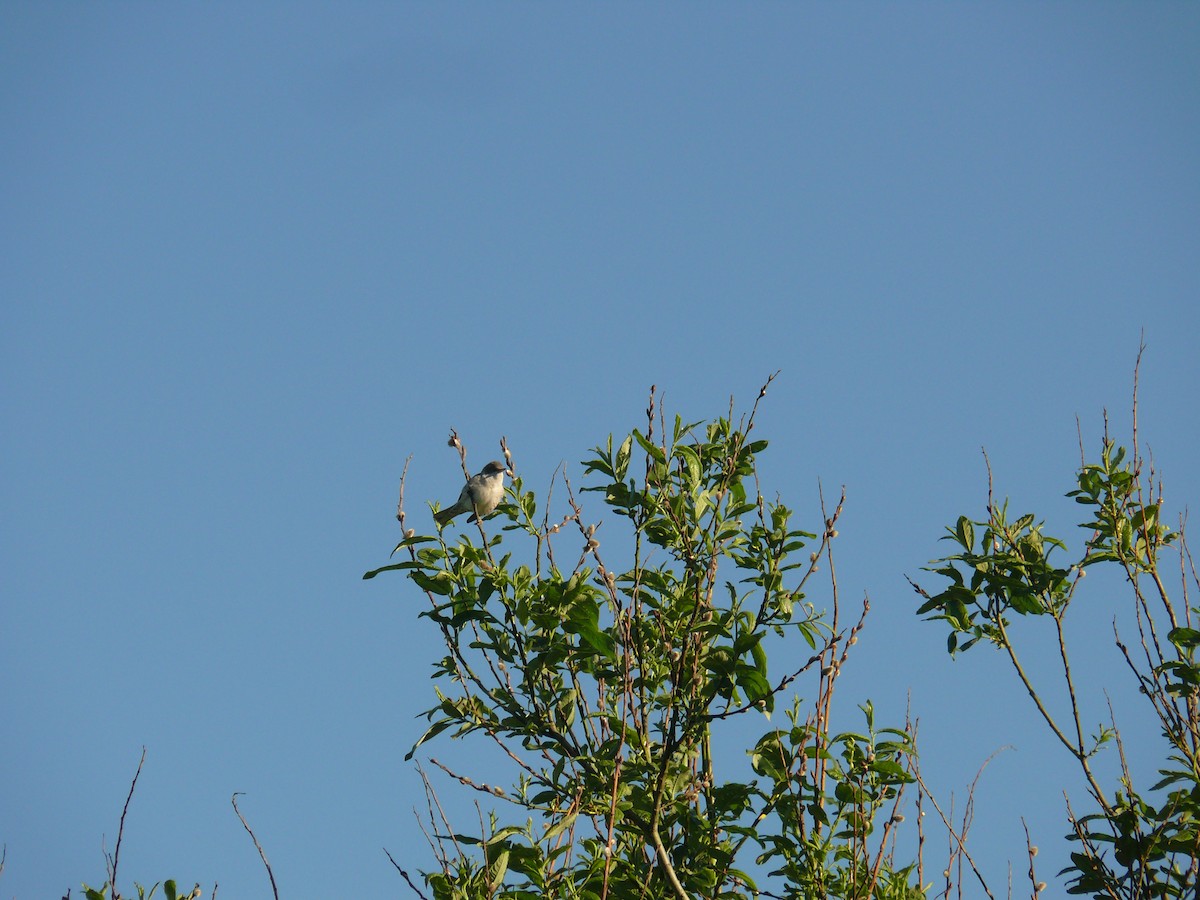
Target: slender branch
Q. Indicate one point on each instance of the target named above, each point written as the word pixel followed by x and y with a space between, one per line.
pixel 400 500
pixel 405 876
pixel 1062 650
pixel 913 728
pixel 1076 751
pixel 957 839
pixel 1032 851
pixel 664 860
pixel 475 786
pixel 121 828
pixel 257 845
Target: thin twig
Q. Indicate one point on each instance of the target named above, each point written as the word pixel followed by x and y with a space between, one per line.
pixel 958 840
pixel 121 828
pixel 400 501
pixel 257 845
pixel 912 729
pixel 467 782
pixel 405 876
pixel 405 532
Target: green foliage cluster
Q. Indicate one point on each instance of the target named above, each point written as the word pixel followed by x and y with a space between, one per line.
pixel 170 892
pixel 603 685
pixel 1140 842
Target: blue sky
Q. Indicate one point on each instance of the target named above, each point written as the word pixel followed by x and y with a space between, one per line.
pixel 258 254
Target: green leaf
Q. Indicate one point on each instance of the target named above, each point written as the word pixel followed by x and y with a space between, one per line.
pixel 506 832
pixel 440 584
pixel 760 656
pixel 769 758
pixel 412 542
pixel 933 603
pixel 391 568
pixel 622 461
pixel 892 769
pixel 561 825
pixel 652 451
pixel 583 619
pixel 752 683
pixel 1184 637
pixel 965 532
pixel 692 460
pixel 431 732
pixel 499 869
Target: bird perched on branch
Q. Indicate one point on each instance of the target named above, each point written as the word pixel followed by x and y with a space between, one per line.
pixel 480 496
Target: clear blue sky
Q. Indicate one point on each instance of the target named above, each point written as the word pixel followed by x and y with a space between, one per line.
pixel 257 254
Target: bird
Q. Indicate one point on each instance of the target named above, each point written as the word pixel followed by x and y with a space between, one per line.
pixel 480 495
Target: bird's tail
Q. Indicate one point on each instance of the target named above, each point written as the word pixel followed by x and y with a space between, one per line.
pixel 445 515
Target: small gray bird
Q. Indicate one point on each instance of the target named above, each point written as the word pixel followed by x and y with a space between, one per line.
pixel 480 496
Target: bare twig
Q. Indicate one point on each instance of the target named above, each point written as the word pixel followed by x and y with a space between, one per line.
pixel 1038 886
pixel 405 876
pixel 432 801
pixel 958 838
pixel 508 460
pixel 912 764
pixel 457 444
pixel 1137 368
pixel 112 873
pixel 405 532
pixel 400 502
pixel 467 782
pixel 257 845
